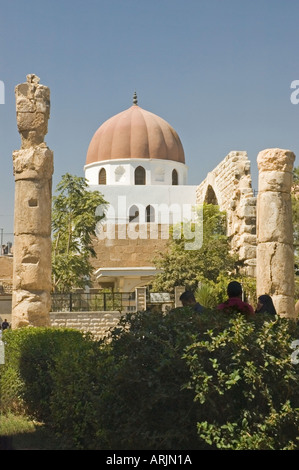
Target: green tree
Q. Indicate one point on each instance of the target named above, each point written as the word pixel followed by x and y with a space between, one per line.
pixel 187 267
pixel 74 220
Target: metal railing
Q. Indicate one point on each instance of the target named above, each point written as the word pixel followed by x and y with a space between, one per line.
pixel 95 302
pixel 90 302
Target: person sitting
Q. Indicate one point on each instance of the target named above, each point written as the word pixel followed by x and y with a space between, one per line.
pixel 234 303
pixel 265 305
pixel 188 300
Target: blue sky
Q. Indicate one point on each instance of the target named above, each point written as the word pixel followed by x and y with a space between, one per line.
pixel 219 71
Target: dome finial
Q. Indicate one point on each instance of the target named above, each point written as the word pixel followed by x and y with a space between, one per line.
pixel 135 98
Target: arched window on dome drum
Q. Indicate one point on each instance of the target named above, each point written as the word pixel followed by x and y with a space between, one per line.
pixel 134 214
pixel 140 175
pixel 175 178
pixel 150 214
pixel 102 176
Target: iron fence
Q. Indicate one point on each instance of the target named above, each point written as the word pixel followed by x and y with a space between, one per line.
pixel 90 302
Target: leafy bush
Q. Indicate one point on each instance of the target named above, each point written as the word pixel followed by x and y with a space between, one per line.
pixel 161 381
pixel 246 387
pixel 49 373
pixel 30 356
pixel 11 382
pixel 74 400
pixel 143 403
pixel 39 355
pixel 230 377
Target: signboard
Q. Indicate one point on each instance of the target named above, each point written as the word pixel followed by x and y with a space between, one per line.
pixel 160 297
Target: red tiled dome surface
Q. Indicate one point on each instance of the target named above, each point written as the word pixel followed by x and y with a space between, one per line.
pixel 135 133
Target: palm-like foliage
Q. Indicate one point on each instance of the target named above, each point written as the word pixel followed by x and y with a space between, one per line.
pixel 74 220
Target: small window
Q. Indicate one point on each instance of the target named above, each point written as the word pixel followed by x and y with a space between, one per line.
pixel 134 214
pixel 150 214
pixel 102 176
pixel 140 175
pixel 175 178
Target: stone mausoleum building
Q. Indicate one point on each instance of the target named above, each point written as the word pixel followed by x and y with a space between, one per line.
pixel 137 161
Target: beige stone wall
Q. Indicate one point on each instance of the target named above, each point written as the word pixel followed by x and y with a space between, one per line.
pixel 133 253
pixel 97 323
pixel 6 273
pixel 229 185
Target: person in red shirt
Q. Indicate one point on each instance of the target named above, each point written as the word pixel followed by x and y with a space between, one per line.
pixel 234 303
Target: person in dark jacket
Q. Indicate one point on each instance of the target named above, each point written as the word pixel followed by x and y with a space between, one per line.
pixel 5 324
pixel 188 300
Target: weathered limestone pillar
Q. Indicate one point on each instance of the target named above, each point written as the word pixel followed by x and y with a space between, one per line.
pixel 275 254
pixel 33 169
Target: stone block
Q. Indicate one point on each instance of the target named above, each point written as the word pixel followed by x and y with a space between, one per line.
pixel 27 121
pixel 275 273
pixel 248 239
pixel 280 181
pixel 30 309
pixel 24 105
pixel 33 163
pixel 249 228
pixel 32 263
pixel 247 210
pixel 247 252
pixel 32 208
pixel 284 306
pixel 274 217
pixel 275 159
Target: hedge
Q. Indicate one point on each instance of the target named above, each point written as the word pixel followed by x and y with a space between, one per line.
pixel 160 381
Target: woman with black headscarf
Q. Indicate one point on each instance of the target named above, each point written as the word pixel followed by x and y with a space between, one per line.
pixel 265 305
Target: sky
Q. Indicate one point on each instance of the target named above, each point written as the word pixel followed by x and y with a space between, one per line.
pixel 219 71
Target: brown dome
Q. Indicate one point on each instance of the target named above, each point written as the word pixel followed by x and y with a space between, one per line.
pixel 135 133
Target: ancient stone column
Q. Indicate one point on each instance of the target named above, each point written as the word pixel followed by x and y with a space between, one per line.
pixel 33 169
pixel 275 254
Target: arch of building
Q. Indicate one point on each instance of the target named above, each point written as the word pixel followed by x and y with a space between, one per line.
pixel 229 186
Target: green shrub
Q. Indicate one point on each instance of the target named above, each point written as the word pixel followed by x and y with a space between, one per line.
pixel 245 385
pixel 11 382
pixel 230 377
pixel 30 357
pixel 39 354
pixel 74 400
pixel 142 403
pixel 50 373
pixel 160 381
